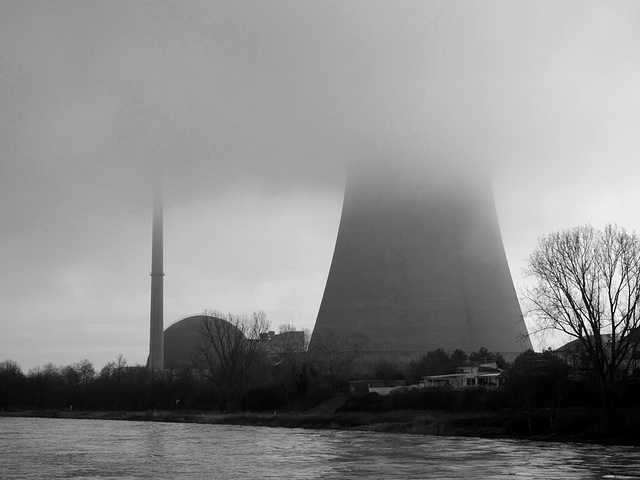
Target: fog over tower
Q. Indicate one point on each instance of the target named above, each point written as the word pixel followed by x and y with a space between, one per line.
pixel 156 341
pixel 419 264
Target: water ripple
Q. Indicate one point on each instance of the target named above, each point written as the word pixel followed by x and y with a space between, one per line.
pixel 35 448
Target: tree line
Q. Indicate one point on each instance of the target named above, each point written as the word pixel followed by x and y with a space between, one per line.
pixel 587 286
pixel 534 380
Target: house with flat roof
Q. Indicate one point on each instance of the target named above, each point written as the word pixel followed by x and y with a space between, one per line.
pixel 467 375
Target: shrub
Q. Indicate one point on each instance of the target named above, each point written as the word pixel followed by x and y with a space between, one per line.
pixel 367 402
pixel 266 397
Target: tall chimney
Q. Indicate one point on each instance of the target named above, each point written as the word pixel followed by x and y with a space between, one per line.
pixel 156 342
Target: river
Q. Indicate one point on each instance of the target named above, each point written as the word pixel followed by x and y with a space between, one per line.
pixel 39 448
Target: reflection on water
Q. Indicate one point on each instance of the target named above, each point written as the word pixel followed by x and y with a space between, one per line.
pixel 54 448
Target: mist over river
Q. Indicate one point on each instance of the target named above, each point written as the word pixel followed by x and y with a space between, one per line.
pixel 37 448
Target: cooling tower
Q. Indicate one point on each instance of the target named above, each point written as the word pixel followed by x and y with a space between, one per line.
pixel 419 264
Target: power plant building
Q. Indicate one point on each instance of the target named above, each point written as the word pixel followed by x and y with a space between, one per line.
pixel 419 264
pixel 182 337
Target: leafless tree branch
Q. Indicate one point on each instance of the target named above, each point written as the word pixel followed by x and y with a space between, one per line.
pixel 588 287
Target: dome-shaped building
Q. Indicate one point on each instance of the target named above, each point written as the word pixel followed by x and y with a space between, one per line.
pixel 181 339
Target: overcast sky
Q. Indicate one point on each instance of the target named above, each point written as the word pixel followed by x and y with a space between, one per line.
pixel 253 109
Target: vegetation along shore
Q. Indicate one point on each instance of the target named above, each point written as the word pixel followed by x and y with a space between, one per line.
pixel 585 425
pixel 538 397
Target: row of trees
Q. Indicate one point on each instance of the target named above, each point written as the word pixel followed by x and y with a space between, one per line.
pixel 231 366
pixel 587 286
pixel 535 380
pixel 117 386
pixel 230 371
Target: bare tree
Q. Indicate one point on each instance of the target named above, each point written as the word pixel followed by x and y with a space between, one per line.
pixel 12 382
pixel 228 350
pixel 291 342
pixel 86 372
pixel 335 355
pixel 588 287
pixel 290 355
pixel 535 380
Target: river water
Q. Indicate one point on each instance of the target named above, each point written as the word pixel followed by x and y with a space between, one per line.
pixel 40 448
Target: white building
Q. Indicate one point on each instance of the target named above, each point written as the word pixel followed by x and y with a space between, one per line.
pixel 468 375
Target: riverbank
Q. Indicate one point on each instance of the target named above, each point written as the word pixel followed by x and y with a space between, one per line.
pixel 620 427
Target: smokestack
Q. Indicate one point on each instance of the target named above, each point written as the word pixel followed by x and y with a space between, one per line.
pixel 156 342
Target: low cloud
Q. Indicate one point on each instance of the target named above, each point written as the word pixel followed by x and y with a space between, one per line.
pixel 276 98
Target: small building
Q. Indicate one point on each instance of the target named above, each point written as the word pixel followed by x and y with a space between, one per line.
pixel 576 357
pixel 467 375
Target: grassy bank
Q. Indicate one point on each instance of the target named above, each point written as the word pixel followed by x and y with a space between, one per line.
pixel 568 425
